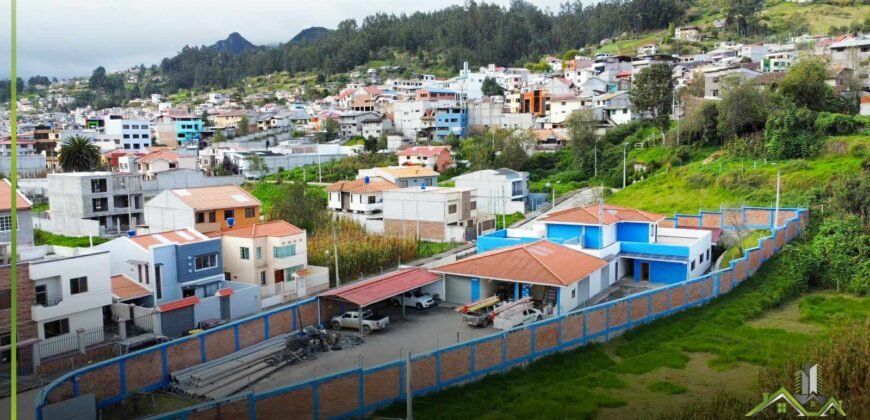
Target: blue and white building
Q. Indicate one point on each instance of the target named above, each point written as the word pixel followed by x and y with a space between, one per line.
pixel 450 120
pixel 183 269
pixel 631 241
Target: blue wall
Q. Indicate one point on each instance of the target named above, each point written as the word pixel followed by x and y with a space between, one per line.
pixel 657 249
pixel 562 233
pixel 185 259
pixel 499 239
pixel 662 272
pixel 593 237
pixel 632 232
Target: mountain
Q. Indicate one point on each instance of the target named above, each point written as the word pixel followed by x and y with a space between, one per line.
pixel 234 44
pixel 310 35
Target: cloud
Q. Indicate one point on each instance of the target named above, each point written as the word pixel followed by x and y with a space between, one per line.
pixel 72 37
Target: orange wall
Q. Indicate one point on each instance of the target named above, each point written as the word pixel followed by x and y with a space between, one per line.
pixel 221 223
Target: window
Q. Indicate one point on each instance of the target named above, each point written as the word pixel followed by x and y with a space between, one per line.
pixel 212 217
pixel 451 208
pixel 228 214
pixel 100 204
pixel 573 293
pixel 41 293
pixel 5 223
pixel 98 185
pixel 693 265
pixel 249 212
pixel 701 258
pixel 284 251
pixel 204 262
pixel 126 126
pixel 372 199
pixel 262 278
pixel 5 340
pixel 200 217
pixel 245 253
pixel 126 136
pixel 56 328
pixel 188 292
pixel 5 299
pixel 473 205
pixel 158 275
pixel 78 285
pixel 259 253
pixel 708 254
pixel 135 136
pixel 715 92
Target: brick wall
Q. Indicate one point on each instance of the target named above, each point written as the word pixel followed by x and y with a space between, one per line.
pixel 639 308
pixel 546 337
pixel 382 385
pixel 144 370
pixel 337 396
pixel 184 354
pixel 220 343
pixel 595 321
pixel 618 314
pixel 659 302
pixel 27 328
pixel 688 221
pixel 298 404
pixel 234 410
pixel 487 354
pixel 767 249
pixel 281 323
pixel 423 373
pixel 572 327
pixel 306 315
pixel 428 230
pixel 666 223
pixel 696 292
pixel 455 363
pixel 678 296
pixel 711 220
pixel 519 344
pixel 251 332
pixel 732 218
pixel 759 217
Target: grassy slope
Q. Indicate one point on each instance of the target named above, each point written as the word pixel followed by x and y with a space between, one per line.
pixel 749 241
pixel 732 182
pixel 46 238
pixel 819 17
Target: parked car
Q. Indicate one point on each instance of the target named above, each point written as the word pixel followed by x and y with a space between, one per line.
pixel 350 319
pixel 415 299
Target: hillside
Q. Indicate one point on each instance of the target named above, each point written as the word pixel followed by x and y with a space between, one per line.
pixel 234 44
pixel 309 35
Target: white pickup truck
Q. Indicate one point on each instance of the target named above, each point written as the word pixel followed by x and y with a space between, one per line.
pixel 370 321
pixel 414 299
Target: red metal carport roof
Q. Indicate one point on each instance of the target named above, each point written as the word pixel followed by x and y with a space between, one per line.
pixel 383 287
pixel 178 304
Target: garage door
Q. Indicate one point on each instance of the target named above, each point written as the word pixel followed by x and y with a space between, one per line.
pixel 458 290
pixel 177 322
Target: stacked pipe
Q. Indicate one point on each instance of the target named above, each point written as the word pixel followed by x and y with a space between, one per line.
pixel 227 375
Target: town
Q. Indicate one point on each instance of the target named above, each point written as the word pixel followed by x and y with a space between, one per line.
pixel 341 244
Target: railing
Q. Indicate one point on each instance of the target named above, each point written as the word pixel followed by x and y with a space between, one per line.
pixel 48 300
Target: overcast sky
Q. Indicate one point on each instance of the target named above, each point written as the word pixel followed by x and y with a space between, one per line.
pixel 60 38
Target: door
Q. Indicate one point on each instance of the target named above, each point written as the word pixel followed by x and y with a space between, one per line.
pixel 644 271
pixel 176 323
pixel 279 276
pixel 225 307
pixel 475 290
pixel 345 201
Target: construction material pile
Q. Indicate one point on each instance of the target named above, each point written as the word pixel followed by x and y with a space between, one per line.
pixel 234 372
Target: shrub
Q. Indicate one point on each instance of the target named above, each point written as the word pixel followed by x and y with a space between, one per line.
pixel 835 124
pixel 790 134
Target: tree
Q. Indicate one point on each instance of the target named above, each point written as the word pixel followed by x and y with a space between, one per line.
pixel 804 84
pixel 790 133
pixel 513 154
pixel 478 153
pixel 257 166
pixel 98 78
pixel 79 154
pixel 743 108
pixel 370 144
pixel 243 128
pixel 582 138
pixel 491 87
pixel 383 144
pixel 653 93
pixel 330 127
pixel 296 205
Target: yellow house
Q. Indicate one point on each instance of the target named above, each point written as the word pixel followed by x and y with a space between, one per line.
pixel 205 209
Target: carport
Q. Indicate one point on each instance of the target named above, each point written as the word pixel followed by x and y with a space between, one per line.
pixel 370 291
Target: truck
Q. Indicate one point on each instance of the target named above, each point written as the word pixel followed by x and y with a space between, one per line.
pixel 479 313
pixel 351 319
pixel 515 313
pixel 414 299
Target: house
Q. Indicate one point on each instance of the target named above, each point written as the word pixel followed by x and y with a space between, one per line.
pixel 499 191
pixel 630 240
pixel 70 288
pixel 94 203
pixel 204 209
pixel 437 94
pixel 614 108
pixel 779 59
pixel 183 270
pixel 550 139
pixel 23 208
pixel 557 278
pixel 28 332
pixel 562 106
pixel 229 118
pixel 534 102
pixel 688 33
pixel 853 53
pixel 178 129
pixel 362 195
pixel 273 256
pixel 128 134
pixel 436 158
pixel 402 176
pixel 714 76
pixel 450 121
pixel 647 49
pixel 161 160
pixel 431 213
pixel 555 63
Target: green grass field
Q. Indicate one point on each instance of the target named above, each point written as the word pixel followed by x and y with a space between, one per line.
pixel 750 241
pixel 819 17
pixel 41 237
pixel 728 181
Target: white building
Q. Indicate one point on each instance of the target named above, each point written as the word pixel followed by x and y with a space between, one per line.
pixel 499 191
pixel 431 213
pixel 128 134
pixel 403 176
pixel 363 195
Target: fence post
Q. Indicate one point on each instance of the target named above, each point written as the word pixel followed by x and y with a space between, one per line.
pixel 80 337
pixel 36 361
pixel 122 328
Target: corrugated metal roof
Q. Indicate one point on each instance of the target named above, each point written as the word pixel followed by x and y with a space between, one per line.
pixel 367 292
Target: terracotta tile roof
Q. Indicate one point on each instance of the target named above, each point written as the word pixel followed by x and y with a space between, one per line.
pixel 612 214
pixel 164 154
pixel 179 237
pixel 547 134
pixel 125 288
pixel 357 186
pixel 423 151
pixel 865 99
pixel 408 171
pixel 21 202
pixel 541 262
pixel 383 287
pixel 219 197
pixel 178 304
pixel 275 228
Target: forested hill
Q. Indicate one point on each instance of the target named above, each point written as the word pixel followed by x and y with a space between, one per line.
pixel 479 33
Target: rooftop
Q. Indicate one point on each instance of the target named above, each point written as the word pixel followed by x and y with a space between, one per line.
pixel 21 202
pixel 178 237
pixel 423 150
pixel 589 215
pixel 164 154
pixel 274 228
pixel 408 171
pixel 541 262
pixel 125 288
pixel 375 184
pixel 383 287
pixel 219 197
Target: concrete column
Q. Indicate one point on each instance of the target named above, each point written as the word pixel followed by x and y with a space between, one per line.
pixel 36 360
pixel 80 335
pixel 122 328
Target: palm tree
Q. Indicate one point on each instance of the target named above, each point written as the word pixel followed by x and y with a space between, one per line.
pixel 78 154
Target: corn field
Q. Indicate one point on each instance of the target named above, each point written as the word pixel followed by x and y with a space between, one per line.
pixel 360 253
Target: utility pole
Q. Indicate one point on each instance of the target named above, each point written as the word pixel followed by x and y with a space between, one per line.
pixel 624 163
pixel 335 249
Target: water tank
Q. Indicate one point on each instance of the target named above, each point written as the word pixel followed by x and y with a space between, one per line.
pixel 131 233
pixel 231 221
pixel 366 179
